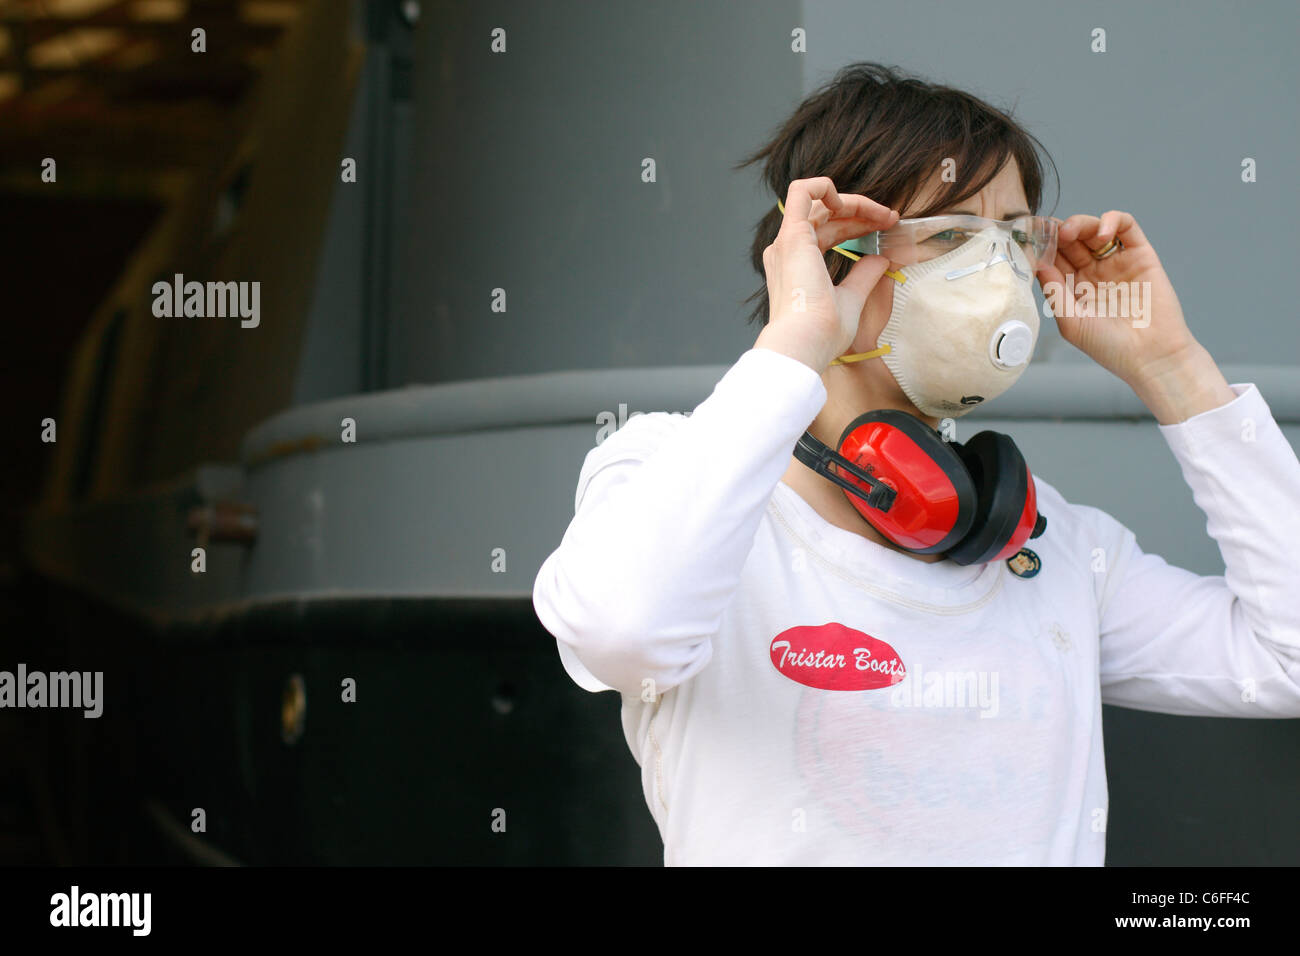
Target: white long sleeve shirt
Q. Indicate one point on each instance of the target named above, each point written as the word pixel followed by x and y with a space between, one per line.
pixel 953 714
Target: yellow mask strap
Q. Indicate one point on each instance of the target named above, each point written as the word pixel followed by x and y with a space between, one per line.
pixel 861 356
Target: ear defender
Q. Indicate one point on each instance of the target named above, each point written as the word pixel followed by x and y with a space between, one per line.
pixel 1006 506
pixel 974 502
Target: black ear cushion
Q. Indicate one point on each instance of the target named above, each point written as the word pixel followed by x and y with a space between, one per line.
pixel 1001 487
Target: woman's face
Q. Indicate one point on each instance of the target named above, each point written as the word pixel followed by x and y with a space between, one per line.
pixel 1002 198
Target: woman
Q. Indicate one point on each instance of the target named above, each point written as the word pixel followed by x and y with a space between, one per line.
pixel 802 687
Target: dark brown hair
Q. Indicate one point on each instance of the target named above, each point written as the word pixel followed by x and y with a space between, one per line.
pixel 879 132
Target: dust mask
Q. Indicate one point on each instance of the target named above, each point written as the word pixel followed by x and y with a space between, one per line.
pixel 963 325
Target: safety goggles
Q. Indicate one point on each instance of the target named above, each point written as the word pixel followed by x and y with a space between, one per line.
pixel 911 241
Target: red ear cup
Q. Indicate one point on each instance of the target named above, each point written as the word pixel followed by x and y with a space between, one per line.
pixel 1006 508
pixel 935 505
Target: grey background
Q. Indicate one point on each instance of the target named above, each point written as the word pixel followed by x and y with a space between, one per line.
pixel 527 165
pixel 528 178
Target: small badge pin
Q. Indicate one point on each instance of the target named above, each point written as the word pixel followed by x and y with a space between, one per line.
pixel 1024 563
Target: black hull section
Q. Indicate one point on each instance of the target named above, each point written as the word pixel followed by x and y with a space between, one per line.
pixel 462 709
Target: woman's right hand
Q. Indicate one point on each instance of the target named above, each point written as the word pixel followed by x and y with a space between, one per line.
pixel 810 318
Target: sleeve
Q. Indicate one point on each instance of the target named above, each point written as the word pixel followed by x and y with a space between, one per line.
pixel 1180 643
pixel 666 512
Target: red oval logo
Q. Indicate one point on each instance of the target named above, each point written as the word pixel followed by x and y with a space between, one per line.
pixel 835 657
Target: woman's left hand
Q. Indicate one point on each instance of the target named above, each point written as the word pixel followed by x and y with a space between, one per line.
pixel 1145 341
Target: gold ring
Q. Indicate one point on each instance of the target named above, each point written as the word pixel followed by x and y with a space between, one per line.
pixel 1109 249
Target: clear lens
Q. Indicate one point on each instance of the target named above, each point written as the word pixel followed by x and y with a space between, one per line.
pixel 919 240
